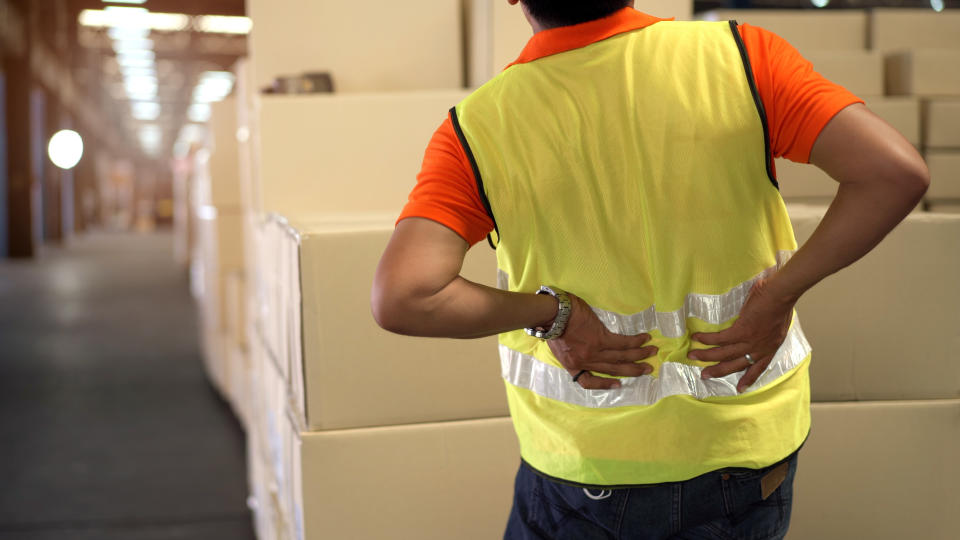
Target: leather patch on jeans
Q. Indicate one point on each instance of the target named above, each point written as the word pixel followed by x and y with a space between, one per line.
pixel 772 480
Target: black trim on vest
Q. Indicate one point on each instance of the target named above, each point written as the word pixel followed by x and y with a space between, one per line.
pixel 476 174
pixel 756 99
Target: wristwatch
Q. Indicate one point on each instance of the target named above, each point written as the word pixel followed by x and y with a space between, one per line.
pixel 560 321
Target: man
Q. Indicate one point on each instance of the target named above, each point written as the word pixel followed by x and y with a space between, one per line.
pixel 658 382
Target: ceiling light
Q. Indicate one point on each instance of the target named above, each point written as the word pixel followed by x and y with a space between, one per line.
pixel 131 18
pixel 145 110
pixel 121 33
pixel 132 44
pixel 134 62
pixel 132 71
pixel 123 1
pixel 136 54
pixel 213 86
pixel 169 22
pixel 199 112
pixel 937 5
pixel 820 3
pixel 222 24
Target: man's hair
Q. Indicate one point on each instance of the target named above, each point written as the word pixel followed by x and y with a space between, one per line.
pixel 551 13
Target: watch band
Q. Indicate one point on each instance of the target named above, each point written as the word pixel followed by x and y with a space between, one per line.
pixel 560 321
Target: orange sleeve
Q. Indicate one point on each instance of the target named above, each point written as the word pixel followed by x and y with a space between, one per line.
pixel 446 191
pixel 798 101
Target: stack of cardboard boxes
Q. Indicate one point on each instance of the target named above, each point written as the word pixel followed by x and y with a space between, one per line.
pixel 357 433
pixel 218 259
pixel 923 59
pixel 837 44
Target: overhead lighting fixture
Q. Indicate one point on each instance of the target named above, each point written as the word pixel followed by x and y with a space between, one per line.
pixel 169 22
pixel 150 136
pixel 123 1
pixel 121 33
pixel 136 54
pixel 222 24
pixel 199 112
pixel 134 62
pixel 132 44
pixel 116 17
pixel 937 5
pixel 148 71
pixel 213 86
pixel 145 110
pixel 820 3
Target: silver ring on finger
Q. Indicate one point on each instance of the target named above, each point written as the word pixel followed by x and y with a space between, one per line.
pixel 750 359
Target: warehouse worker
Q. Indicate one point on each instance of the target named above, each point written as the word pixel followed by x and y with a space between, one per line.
pixel 656 373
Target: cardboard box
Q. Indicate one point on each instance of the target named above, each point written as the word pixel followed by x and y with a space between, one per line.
pixel 945 208
pixel 497 32
pixel 859 71
pixel 944 168
pixel 220 178
pixel 803 182
pixel 358 153
pixel 942 123
pixel 903 113
pixel 863 458
pixel 807 30
pixel 381 45
pixel 235 307
pixel 899 28
pixel 427 481
pixel 923 72
pixel 345 355
pixel 221 237
pixel 887 326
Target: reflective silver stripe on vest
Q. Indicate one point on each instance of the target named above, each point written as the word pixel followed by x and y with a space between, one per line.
pixel 711 308
pixel 674 378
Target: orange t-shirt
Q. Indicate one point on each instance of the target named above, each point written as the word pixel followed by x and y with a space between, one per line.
pixel 798 103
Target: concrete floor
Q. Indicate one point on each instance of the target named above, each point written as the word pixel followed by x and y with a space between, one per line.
pixel 108 427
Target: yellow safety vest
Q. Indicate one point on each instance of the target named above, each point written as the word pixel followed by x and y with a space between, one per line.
pixel 635 173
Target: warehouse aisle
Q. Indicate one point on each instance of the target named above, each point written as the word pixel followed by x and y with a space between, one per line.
pixel 108 427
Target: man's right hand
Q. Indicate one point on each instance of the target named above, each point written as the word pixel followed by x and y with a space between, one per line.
pixel 588 345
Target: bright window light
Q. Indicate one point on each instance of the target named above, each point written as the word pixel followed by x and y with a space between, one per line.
pixel 937 5
pixel 145 110
pixel 199 112
pixel 820 3
pixel 65 148
pixel 222 24
pixel 123 1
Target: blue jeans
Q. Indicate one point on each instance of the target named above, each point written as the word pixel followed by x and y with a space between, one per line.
pixel 725 504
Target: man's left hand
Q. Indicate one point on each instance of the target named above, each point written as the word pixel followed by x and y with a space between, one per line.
pixel 759 331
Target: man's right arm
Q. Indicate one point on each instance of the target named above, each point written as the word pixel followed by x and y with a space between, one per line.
pixel 882 179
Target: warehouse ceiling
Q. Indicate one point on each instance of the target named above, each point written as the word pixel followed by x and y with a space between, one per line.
pixel 155 65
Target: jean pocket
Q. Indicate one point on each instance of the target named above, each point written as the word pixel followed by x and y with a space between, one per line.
pixel 746 506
